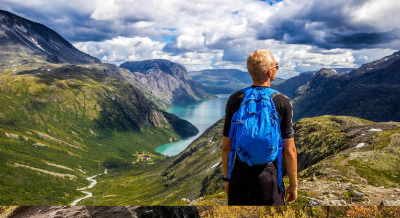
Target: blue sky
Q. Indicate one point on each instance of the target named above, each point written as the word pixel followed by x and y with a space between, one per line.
pixel 302 35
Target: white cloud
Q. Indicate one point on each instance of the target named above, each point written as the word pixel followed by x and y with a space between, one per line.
pixel 218 33
pixel 122 49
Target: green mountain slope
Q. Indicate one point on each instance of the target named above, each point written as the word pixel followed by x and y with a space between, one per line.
pixel 323 143
pixel 351 148
pixel 59 126
pixel 62 123
pixel 192 173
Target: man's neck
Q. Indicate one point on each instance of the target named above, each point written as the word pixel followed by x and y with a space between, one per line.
pixel 262 83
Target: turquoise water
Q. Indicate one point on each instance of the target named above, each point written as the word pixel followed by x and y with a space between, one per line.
pixel 201 114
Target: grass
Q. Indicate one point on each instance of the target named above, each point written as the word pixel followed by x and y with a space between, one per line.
pixel 188 175
pixel 88 121
pixel 380 170
pixel 377 164
pixel 320 137
pixel 83 119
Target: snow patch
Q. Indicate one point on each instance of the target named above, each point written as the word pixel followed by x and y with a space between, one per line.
pixel 360 145
pixel 12 135
pixel 213 166
pixel 375 130
pixel 21 28
pixel 61 175
pixel 58 166
pixel 33 40
pixel 40 144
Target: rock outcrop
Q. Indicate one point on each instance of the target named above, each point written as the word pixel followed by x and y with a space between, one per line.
pixel 104 212
pixel 167 81
pixel 370 92
pixel 24 40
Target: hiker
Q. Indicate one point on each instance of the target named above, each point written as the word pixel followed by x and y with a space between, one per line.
pixel 252 163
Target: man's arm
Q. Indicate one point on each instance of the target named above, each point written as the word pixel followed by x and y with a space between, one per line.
pixel 290 157
pixel 226 148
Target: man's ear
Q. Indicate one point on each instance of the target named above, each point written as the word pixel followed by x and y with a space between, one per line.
pixel 269 73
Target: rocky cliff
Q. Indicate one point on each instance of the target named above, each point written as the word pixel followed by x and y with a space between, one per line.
pixel 102 212
pixel 23 41
pixel 290 86
pixel 167 81
pixel 371 92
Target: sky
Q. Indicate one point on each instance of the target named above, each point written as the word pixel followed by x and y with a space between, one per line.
pixel 212 34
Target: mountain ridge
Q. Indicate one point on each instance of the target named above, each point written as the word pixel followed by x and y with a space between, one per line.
pixel 372 94
pixel 18 34
pixel 166 80
pixel 68 117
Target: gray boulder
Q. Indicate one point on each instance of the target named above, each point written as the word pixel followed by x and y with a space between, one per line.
pixel 358 195
pixel 390 203
pixel 313 202
pixel 337 202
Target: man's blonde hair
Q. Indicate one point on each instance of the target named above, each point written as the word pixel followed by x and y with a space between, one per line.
pixel 259 62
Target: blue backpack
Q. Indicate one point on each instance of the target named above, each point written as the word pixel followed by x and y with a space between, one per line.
pixel 255 130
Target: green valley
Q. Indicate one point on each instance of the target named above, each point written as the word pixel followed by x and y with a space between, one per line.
pixel 59 126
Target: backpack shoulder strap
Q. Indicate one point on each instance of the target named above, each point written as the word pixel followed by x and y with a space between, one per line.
pixel 247 94
pixel 246 89
pixel 271 91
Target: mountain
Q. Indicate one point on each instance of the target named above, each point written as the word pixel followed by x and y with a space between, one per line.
pixel 371 92
pixel 61 124
pixel 167 81
pixel 70 123
pixel 342 70
pixel 289 86
pixel 23 41
pixel 232 78
pixel 194 172
pixel 346 154
pixel 333 70
pixel 224 81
